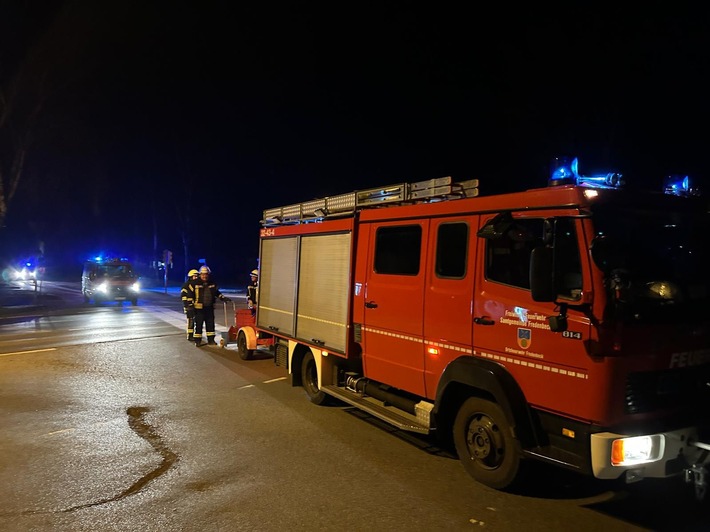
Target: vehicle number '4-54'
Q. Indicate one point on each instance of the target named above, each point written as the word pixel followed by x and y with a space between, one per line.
pixel 572 335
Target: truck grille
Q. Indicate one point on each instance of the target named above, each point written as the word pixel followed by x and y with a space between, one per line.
pixel 674 388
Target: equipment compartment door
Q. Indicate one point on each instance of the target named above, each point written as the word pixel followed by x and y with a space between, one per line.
pixel 394 295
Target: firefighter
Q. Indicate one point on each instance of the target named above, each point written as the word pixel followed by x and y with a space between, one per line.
pixel 253 291
pixel 204 292
pixel 188 304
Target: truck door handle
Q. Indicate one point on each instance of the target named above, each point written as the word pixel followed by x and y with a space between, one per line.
pixel 370 304
pixel 483 321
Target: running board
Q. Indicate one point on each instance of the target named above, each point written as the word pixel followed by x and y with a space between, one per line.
pixel 394 416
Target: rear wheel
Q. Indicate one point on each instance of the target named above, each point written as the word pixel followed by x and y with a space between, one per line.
pixel 244 353
pixel 485 444
pixel 309 378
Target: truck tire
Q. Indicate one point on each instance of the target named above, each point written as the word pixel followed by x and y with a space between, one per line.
pixel 309 379
pixel 485 444
pixel 244 353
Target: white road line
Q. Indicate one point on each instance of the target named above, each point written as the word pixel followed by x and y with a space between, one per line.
pixel 275 380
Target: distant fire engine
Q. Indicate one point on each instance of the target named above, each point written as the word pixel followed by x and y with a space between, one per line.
pixel 565 324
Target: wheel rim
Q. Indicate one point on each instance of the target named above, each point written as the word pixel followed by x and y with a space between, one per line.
pixel 485 442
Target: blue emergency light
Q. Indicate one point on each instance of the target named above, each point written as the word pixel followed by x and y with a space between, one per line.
pixel 565 171
pixel 677 185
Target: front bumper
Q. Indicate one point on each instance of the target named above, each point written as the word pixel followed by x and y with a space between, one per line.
pixel 675 453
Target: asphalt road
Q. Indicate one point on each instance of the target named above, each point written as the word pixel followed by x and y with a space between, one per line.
pixel 111 420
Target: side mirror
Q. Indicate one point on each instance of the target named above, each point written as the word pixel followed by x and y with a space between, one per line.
pixel 542 285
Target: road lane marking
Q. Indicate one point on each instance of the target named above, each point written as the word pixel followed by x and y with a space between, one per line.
pixel 275 380
pixel 27 352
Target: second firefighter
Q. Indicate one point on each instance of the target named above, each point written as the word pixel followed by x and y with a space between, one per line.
pixel 204 293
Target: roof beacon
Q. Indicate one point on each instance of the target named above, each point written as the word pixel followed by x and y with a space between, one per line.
pixel 677 185
pixel 566 172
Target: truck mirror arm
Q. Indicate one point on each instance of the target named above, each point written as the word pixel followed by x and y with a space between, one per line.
pixel 559 323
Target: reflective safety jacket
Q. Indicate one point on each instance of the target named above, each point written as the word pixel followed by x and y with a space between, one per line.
pixel 203 293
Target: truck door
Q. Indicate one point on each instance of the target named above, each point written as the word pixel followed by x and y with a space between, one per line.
pixel 448 322
pixel 394 301
pixel 552 368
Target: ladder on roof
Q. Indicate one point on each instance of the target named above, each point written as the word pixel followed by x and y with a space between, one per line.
pixel 439 189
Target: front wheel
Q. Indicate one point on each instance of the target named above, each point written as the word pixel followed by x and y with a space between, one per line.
pixel 485 444
pixel 244 353
pixel 309 379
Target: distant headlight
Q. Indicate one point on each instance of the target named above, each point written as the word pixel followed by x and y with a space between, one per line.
pixel 136 287
pixel 103 288
pixel 664 290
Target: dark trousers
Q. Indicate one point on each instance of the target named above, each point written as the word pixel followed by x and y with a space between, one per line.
pixel 190 327
pixel 204 315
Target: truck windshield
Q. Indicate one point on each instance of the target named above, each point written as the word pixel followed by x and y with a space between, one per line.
pixel 656 260
pixel 117 270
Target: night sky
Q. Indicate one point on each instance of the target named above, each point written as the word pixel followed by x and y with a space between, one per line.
pixel 166 118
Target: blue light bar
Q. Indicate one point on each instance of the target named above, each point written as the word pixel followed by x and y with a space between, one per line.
pixel 610 180
pixel 566 172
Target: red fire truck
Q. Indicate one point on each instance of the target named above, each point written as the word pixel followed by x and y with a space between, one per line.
pixel 565 324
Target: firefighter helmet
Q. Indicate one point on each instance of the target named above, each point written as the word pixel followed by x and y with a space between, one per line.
pixel 205 269
pixel 255 273
pixel 192 273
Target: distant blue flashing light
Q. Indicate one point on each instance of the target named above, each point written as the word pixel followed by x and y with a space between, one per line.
pixel 100 258
pixel 676 185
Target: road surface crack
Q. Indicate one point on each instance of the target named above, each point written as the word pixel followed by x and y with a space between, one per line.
pixel 137 423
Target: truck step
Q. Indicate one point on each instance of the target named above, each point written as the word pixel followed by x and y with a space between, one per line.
pixel 398 418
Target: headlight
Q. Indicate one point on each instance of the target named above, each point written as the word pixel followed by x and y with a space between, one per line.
pixel 664 290
pixel 638 450
pixel 103 288
pixel 136 287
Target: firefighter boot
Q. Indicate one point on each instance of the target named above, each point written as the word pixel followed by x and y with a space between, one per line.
pixel 210 341
pixel 190 337
pixel 198 341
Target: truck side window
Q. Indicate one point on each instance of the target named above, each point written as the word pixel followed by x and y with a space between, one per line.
pixel 451 250
pixel 508 257
pixel 397 250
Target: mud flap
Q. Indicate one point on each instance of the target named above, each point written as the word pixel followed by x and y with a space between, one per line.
pixel 697 474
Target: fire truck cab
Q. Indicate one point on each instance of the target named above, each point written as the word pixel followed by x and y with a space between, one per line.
pixel 564 324
pixel 111 279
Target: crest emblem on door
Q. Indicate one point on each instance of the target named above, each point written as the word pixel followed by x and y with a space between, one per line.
pixel 524 338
